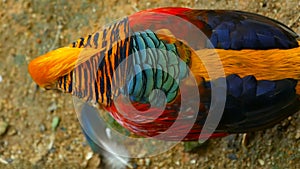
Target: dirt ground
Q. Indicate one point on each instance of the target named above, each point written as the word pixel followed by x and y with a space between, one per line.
pixel 29 28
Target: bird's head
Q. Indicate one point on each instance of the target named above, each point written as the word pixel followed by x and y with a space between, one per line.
pixel 48 68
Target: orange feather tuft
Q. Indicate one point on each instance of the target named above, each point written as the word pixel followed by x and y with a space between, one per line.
pixel 46 69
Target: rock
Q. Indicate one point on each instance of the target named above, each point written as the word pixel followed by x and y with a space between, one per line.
pixel 89 155
pixel 192 145
pixel 55 123
pixel 36 158
pixel 147 161
pixel 140 162
pixel 3 161
pixel 193 161
pixel 3 127
pixel 42 127
pixel 297 136
pixel 232 156
pixel 261 162
pixel 52 107
pixel 93 162
pixel 12 132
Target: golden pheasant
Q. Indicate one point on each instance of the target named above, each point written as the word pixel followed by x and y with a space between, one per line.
pixel 158 70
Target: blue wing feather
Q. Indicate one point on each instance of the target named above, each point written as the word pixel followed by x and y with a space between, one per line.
pixel 242 30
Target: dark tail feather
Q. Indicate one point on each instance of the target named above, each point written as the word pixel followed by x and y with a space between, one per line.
pixel 253 105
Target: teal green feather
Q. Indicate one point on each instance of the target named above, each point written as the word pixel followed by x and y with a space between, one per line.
pixel 156 64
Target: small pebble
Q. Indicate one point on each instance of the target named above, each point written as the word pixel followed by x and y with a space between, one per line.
pixel 147 161
pixel 193 161
pixel 52 107
pixel 189 146
pixel 63 129
pixel 84 144
pixel 42 127
pixel 9 160
pixel 55 123
pixel 134 166
pixel 94 10
pixel 261 162
pixel 93 162
pixel 89 155
pixel 12 132
pixel 52 150
pixel 297 136
pixel 269 143
pixel 3 127
pixel 232 156
pixel 140 162
pixel 3 161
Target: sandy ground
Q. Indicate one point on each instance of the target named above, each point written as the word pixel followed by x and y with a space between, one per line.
pixel 30 28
